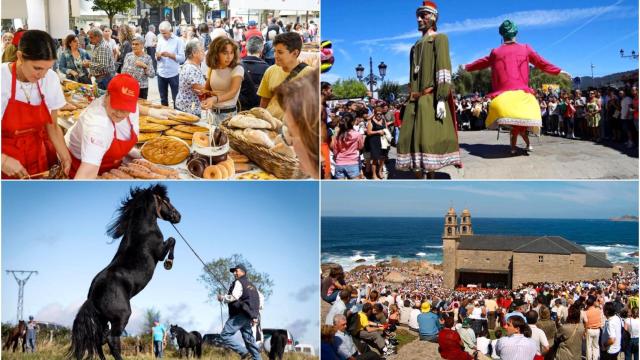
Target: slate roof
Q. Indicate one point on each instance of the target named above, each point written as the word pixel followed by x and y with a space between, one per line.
pixel 530 244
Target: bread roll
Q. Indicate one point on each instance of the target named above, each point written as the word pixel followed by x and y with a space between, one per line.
pixel 248 122
pixel 259 138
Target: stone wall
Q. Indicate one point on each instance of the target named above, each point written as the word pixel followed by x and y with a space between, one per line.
pixel 483 260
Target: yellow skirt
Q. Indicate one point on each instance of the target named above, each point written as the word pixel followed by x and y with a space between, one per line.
pixel 514 108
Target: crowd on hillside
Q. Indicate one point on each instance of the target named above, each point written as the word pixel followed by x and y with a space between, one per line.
pixel 570 320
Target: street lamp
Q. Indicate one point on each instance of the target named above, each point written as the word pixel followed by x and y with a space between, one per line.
pixel 632 56
pixel 371 79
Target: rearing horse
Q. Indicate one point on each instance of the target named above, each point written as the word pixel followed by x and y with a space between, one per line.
pixel 131 269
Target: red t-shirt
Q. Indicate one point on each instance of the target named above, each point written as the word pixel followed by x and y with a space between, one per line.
pixel 397 122
pixel 449 346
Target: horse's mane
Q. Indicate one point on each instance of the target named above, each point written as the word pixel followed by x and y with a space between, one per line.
pixel 138 198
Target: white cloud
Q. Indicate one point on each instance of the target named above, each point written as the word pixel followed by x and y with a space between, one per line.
pixel 344 53
pixel 401 48
pixel 516 195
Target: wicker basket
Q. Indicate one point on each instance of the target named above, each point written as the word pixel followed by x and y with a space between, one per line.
pixel 284 167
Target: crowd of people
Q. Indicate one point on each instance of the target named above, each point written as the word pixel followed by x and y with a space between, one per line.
pixel 360 134
pixel 204 67
pixel 570 320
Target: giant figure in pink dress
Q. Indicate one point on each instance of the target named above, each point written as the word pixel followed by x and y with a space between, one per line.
pixel 513 101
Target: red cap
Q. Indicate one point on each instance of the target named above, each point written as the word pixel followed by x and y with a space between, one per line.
pixel 428 6
pixel 16 37
pixel 123 91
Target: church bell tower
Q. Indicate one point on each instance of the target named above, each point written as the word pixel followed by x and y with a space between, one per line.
pixel 465 223
pixel 450 239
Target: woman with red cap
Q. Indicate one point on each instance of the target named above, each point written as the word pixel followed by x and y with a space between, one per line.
pixel 513 102
pixel 31 96
pixel 107 130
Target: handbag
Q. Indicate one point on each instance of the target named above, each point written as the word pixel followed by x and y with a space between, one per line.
pixel 384 144
pixel 387 135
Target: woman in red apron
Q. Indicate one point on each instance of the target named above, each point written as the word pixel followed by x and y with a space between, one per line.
pixel 28 127
pixel 121 100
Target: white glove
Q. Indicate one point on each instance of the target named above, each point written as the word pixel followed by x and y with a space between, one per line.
pixel 159 113
pixel 441 111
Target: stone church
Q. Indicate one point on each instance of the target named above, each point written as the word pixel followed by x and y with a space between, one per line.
pixel 507 261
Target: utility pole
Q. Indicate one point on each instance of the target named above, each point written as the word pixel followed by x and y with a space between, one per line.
pixel 22 280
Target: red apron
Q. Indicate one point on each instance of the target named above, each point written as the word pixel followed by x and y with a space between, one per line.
pixel 114 155
pixel 24 136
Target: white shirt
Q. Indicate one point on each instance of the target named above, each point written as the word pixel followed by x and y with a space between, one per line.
pixel 634 326
pixel 539 337
pixel 613 329
pixel 235 294
pixel 91 136
pixel 625 104
pixel 150 39
pixel 221 80
pixel 482 344
pixel 494 355
pixel 112 44
pixel 167 67
pixel 413 319
pixel 50 87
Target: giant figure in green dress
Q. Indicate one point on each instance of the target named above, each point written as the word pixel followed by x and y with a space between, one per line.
pixel 428 139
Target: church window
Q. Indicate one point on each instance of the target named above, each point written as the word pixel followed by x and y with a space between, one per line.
pixel 449 231
pixel 540 258
pixel 464 229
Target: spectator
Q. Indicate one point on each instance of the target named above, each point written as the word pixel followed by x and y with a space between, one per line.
pixel 516 346
pixel 626 117
pixel 32 328
pixel 252 30
pixel 374 144
pixel 125 35
pixel 413 318
pixel 450 345
pixel 612 335
pixel 346 146
pixel 547 325
pixel 371 334
pixel 593 116
pixel 102 66
pixel 332 284
pixel 287 49
pixel 343 344
pixel 111 43
pixel 159 334
pixel 632 326
pixel 339 306
pixel 569 338
pixel 268 54
pixel 205 38
pixel 494 342
pixel 405 312
pixel 191 79
pixel 302 120
pixel 254 69
pixel 138 64
pixel 483 342
pixel 7 38
pixel 224 78
pixel 559 311
pixel 150 41
pixel 428 323
pixel 537 335
pixel 468 336
pixel 169 54
pixel 71 61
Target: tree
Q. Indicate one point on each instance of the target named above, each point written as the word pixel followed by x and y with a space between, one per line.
pixel 389 91
pixel 470 82
pixel 349 89
pixel 112 7
pixel 537 78
pixel 150 315
pixel 221 278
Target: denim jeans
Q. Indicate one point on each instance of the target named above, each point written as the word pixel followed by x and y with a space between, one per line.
pixel 240 323
pixel 347 171
pixel 31 343
pixel 631 352
pixel 164 84
pixel 157 348
pixel 218 117
pixel 331 298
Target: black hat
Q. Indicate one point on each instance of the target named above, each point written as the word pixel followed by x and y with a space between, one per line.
pixel 518 303
pixel 239 266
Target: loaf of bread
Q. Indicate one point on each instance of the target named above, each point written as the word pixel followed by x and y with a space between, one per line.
pixel 248 122
pixel 258 137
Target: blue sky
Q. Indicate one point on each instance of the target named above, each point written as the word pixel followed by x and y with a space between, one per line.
pixel 570 34
pixel 505 199
pixel 58 228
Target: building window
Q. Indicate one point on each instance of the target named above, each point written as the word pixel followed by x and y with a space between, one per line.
pixel 450 220
pixel 449 231
pixel 570 262
pixel 464 229
pixel 540 258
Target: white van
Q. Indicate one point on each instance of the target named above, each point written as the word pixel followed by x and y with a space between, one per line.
pixel 305 349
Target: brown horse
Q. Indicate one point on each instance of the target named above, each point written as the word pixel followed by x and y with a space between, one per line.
pixel 15 335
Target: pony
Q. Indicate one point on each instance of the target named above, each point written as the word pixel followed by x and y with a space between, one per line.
pixel 17 333
pixel 141 248
pixel 278 343
pixel 187 340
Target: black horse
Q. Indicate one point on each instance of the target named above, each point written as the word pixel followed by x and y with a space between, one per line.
pixel 131 269
pixel 278 344
pixel 15 335
pixel 187 340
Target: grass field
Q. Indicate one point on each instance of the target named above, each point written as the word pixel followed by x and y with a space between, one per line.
pixel 56 352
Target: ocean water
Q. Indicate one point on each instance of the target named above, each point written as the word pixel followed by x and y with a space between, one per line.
pixel 347 239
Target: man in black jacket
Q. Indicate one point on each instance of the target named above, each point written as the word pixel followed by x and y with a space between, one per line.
pixel 254 68
pixel 244 305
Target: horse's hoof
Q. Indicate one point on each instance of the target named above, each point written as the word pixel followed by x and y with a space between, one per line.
pixel 168 264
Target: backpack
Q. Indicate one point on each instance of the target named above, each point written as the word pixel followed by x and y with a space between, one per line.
pixel 353 324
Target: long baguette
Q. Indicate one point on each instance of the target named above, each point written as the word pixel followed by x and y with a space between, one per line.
pixel 173 174
pixel 140 172
pixel 120 174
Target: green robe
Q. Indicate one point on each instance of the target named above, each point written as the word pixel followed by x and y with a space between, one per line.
pixel 426 142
